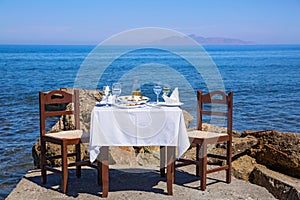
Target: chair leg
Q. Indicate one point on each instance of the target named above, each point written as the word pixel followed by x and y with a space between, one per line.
pixel 64 152
pixel 229 159
pixel 198 159
pixel 78 158
pixel 162 161
pixel 99 171
pixel 203 165
pixel 43 162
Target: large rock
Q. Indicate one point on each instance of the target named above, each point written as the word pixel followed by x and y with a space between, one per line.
pixel 281 186
pixel 277 150
pixel 242 167
pixel 87 100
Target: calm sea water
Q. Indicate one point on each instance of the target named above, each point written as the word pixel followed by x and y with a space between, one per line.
pixel 265 81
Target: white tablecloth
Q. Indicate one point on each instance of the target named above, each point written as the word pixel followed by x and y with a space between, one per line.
pixel 145 126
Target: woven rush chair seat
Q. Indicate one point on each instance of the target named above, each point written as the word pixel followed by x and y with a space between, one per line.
pixel 71 134
pixel 197 134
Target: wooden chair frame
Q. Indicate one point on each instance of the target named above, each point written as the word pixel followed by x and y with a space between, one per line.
pixel 54 99
pixel 203 140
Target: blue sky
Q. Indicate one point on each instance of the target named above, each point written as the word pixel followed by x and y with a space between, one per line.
pixel 91 21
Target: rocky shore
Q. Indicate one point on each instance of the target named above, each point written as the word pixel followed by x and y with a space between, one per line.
pixel 269 159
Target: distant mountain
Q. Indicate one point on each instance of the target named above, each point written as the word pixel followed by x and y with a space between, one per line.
pixel 186 40
pixel 218 40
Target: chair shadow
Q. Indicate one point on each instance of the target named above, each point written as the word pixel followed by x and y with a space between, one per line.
pixel 127 179
pixel 184 178
pixel 134 179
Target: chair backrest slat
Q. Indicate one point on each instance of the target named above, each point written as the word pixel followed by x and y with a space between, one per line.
pixel 58 97
pixel 58 113
pixel 206 112
pixel 217 97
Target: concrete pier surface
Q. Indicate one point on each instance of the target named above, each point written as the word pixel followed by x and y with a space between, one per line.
pixel 136 183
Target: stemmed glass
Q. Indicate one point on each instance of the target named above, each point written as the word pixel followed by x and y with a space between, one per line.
pixel 106 91
pixel 116 89
pixel 166 89
pixel 157 90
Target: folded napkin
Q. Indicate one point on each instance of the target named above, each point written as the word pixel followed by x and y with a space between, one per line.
pixel 111 99
pixel 173 99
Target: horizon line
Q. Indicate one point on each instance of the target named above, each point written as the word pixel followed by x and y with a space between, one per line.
pixel 86 44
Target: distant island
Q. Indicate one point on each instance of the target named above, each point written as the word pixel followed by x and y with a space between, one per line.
pixel 219 40
pixel 182 40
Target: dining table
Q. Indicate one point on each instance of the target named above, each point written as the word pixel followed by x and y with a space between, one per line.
pixel 138 125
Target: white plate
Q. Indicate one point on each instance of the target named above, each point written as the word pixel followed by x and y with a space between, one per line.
pixel 128 99
pixel 128 106
pixel 99 104
pixel 170 105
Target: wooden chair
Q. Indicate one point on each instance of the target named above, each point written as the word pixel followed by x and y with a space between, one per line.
pixel 54 104
pixel 207 104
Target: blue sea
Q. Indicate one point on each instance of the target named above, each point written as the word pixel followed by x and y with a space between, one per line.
pixel 265 80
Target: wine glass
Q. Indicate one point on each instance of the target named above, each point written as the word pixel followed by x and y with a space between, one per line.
pixel 166 89
pixel 157 90
pixel 116 89
pixel 106 91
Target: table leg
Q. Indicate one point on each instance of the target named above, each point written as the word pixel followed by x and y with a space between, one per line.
pixel 162 161
pixel 170 169
pixel 104 170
